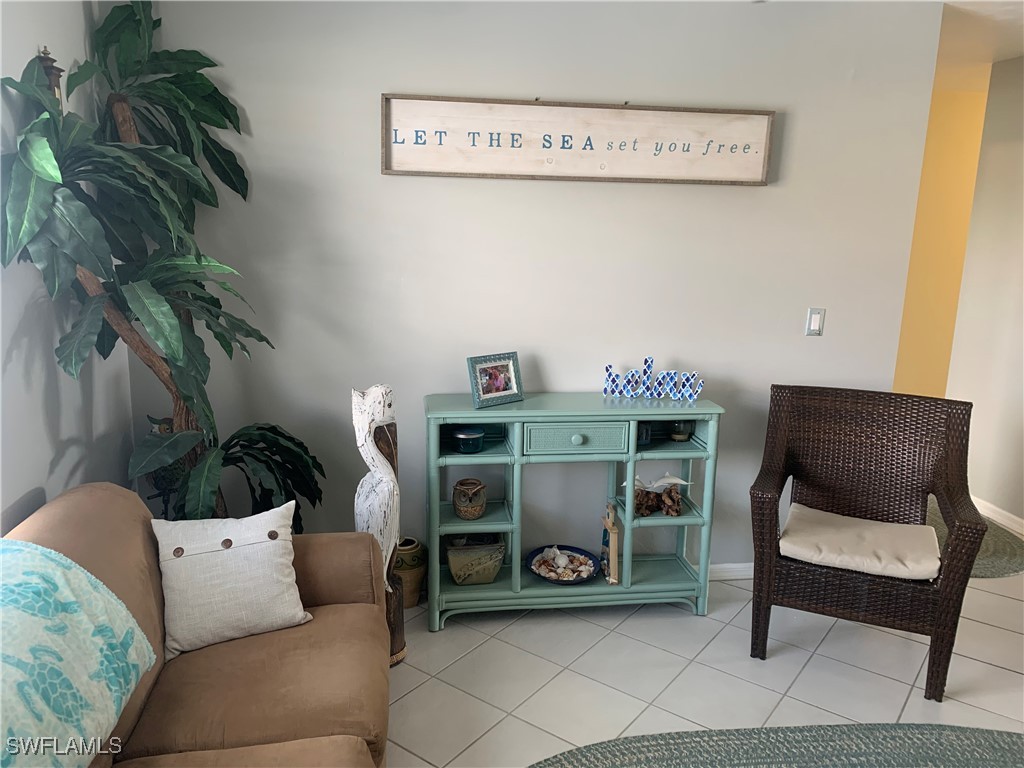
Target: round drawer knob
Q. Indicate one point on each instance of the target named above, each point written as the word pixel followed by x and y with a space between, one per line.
pixel 577 439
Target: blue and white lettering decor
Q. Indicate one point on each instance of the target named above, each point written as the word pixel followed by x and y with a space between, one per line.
pixel 643 383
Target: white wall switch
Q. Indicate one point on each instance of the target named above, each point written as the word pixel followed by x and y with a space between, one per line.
pixel 815 321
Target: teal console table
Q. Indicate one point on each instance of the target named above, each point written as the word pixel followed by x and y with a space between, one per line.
pixel 555 428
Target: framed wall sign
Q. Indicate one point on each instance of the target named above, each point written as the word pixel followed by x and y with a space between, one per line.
pixel 492 138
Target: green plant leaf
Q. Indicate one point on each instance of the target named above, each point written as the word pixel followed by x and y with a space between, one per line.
pixel 74 131
pixel 173 62
pixel 260 468
pixel 129 48
pixel 34 74
pixel 203 483
pixel 80 234
pixel 109 31
pixel 107 340
pixel 195 357
pixel 166 159
pixel 244 329
pixel 201 263
pixel 44 126
pixel 157 450
pixel 75 345
pixel 86 71
pixel 299 463
pixel 156 317
pixel 152 128
pixel 229 288
pixel 39 96
pixel 7 161
pixel 160 196
pixel 192 84
pixel 35 152
pixel 225 106
pixel 35 85
pixel 57 268
pixel 194 393
pixel 29 202
pixel 144 13
pixel 224 163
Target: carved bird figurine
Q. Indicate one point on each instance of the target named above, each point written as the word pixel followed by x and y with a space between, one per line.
pixel 165 480
pixel 376 504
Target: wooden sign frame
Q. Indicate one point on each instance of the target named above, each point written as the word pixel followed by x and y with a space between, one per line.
pixel 572 141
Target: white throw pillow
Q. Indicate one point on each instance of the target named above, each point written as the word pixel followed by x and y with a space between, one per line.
pixel 227 578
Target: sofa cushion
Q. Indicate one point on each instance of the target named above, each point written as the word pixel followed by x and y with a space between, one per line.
pixel 323 678
pixel 106 530
pixel 868 546
pixel 322 752
pixel 227 578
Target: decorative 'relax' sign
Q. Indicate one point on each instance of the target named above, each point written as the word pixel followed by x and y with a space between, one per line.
pixel 450 136
pixel 636 383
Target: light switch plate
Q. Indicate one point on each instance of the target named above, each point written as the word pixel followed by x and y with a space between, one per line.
pixel 815 321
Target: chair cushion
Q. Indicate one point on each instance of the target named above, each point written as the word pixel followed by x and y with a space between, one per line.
pixel 326 677
pixel 868 546
pixel 228 578
pixel 323 752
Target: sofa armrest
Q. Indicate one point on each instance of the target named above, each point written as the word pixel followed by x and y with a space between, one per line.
pixel 334 568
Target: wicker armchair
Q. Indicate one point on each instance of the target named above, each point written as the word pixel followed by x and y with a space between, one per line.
pixel 875 456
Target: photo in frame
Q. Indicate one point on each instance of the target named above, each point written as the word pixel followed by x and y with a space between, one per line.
pixel 495 379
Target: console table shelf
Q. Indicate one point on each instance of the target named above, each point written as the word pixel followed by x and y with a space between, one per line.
pixel 560 428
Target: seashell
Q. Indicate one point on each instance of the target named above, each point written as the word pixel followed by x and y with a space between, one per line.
pixel 561 560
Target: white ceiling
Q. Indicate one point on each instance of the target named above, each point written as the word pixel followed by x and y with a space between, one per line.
pixel 1003 24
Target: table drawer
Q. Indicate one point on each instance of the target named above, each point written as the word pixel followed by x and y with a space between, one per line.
pixel 576 438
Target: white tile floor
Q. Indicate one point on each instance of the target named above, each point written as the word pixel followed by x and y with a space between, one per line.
pixel 503 690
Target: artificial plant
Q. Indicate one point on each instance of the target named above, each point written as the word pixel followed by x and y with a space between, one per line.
pixel 113 222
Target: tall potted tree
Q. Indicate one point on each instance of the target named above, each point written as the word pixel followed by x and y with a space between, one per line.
pixel 107 211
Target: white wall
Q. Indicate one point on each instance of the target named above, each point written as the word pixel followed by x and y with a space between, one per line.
pixel 988 346
pixel 57 433
pixel 361 278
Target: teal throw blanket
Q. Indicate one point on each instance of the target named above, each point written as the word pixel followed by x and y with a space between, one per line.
pixel 72 654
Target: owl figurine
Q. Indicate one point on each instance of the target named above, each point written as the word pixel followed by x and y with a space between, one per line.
pixel 376 503
pixel 165 480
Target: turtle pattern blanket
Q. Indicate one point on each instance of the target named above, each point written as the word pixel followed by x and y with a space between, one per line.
pixel 71 656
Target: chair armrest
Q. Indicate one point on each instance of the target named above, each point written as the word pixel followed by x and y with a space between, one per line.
pixel 334 568
pixel 966 529
pixel 765 494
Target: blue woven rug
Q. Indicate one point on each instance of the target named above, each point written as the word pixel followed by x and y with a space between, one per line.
pixel 1001 553
pixel 878 745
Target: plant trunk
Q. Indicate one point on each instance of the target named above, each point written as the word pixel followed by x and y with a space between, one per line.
pixel 183 417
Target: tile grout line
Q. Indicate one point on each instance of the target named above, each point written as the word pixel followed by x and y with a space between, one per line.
pixel 418 757
pixel 421 682
pixel 807 661
pixel 910 693
pixel 651 703
pixel 472 743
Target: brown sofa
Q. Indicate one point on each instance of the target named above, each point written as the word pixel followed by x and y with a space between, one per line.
pixel 311 695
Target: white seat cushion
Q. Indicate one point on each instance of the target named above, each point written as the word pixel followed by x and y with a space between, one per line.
pixel 868 546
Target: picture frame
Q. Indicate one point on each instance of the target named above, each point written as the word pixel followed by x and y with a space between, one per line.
pixel 495 379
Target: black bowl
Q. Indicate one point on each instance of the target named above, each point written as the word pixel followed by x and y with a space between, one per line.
pixel 565 548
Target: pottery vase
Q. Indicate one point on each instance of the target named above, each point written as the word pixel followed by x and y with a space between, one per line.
pixel 411 567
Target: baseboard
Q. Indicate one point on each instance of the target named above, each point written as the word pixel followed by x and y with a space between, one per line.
pixel 730 571
pixel 1008 521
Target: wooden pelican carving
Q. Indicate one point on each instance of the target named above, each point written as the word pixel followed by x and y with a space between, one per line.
pixel 377 498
